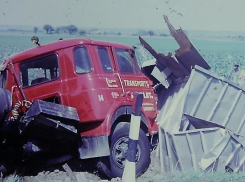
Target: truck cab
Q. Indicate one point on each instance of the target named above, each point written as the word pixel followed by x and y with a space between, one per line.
pixel 99 80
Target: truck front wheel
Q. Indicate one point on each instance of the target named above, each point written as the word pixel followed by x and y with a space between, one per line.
pixel 113 165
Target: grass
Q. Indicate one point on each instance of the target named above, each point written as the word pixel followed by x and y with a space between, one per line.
pixel 191 176
pixel 197 176
pixel 12 178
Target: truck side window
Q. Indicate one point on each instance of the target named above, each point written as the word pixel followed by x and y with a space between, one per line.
pixel 135 62
pixel 82 60
pixel 40 70
pixel 124 60
pixel 105 60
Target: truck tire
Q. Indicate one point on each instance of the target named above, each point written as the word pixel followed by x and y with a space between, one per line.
pixel 113 165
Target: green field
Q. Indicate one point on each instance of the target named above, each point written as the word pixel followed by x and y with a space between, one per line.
pixel 222 55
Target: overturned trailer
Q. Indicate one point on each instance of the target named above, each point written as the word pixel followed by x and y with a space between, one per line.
pixel 202 124
pixel 201 116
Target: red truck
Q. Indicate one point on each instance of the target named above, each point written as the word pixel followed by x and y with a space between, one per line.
pixel 73 99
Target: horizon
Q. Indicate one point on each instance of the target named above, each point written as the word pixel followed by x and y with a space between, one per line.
pixel 132 31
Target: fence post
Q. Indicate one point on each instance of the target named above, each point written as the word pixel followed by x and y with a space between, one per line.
pixel 129 173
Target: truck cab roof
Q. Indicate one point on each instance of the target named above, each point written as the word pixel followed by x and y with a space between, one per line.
pixel 60 44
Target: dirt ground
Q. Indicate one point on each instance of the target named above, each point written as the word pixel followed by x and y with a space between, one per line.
pixel 59 175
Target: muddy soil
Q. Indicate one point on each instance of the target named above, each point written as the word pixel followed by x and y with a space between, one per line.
pixel 90 174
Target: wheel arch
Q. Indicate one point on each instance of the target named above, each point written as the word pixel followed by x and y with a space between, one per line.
pixel 123 114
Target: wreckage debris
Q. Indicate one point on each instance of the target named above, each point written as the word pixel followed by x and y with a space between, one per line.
pixel 202 124
pixel 201 149
pixel 201 119
pixel 178 66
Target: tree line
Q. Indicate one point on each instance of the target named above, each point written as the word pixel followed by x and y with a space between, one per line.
pixel 72 29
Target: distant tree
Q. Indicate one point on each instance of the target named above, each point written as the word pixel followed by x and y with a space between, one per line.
pixel 35 29
pixel 151 33
pixel 72 29
pixel 119 33
pixel 240 37
pixel 51 30
pixel 57 30
pixel 48 28
pixel 82 32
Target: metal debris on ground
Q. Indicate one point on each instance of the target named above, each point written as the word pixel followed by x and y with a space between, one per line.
pixel 72 175
pixel 69 172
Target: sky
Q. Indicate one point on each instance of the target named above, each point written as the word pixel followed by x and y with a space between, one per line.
pixel 213 15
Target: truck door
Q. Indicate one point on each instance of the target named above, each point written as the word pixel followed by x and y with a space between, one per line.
pixel 132 78
pixel 109 75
